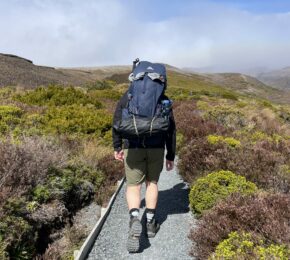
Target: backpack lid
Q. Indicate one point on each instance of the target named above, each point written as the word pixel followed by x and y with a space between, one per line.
pixel 146 66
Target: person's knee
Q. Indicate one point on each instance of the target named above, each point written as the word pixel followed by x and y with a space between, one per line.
pixel 135 187
pixel 151 184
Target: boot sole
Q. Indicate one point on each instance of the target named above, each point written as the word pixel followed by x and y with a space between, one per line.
pixel 133 243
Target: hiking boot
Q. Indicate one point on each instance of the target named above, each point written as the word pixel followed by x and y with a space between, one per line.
pixel 152 228
pixel 135 230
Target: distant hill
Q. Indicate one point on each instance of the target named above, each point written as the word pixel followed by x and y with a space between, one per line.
pixel 17 71
pixel 245 84
pixel 278 78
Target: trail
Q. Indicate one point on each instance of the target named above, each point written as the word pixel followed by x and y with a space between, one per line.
pixel 171 242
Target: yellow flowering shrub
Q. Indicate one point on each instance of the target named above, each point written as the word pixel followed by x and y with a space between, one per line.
pixel 230 141
pixel 243 246
pixel 207 191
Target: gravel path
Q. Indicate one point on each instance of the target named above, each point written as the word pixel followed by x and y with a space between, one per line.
pixel 171 241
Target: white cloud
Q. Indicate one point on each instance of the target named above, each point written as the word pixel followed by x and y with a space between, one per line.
pixel 104 32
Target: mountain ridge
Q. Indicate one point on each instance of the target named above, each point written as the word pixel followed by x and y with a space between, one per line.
pixel 18 71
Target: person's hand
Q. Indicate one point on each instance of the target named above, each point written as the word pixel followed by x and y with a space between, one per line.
pixel 119 155
pixel 169 165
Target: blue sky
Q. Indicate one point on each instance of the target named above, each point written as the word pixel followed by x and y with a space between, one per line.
pixel 218 35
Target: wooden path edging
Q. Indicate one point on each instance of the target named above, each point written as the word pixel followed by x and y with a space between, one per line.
pixel 84 250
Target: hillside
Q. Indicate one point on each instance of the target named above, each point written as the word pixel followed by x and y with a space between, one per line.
pixel 17 71
pixel 248 85
pixel 278 78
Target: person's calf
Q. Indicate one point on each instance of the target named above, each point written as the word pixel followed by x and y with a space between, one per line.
pixel 133 196
pixel 151 196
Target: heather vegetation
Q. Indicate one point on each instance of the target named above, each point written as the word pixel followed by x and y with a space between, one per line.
pixel 55 158
pixel 234 151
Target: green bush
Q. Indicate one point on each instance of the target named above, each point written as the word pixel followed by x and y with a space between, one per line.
pixel 3 253
pixel 10 116
pixel 80 173
pixel 100 85
pixel 180 141
pixel 75 119
pixel 244 246
pixel 68 183
pixel 106 93
pixel 57 96
pixel 15 207
pixel 230 141
pixel 227 116
pixel 229 95
pixel 41 193
pixel 17 238
pixel 207 191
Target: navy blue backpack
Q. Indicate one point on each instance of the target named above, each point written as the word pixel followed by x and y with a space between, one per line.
pixel 145 114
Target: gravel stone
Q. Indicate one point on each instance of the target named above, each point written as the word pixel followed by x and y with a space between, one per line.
pixel 171 242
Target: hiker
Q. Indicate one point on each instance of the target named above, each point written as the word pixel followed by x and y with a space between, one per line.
pixel 143 126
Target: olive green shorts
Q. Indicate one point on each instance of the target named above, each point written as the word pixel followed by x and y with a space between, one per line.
pixel 143 164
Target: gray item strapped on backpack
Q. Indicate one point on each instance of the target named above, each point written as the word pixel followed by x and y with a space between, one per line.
pixel 145 114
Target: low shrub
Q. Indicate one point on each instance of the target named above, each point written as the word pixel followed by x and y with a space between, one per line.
pixel 207 191
pixel 101 84
pixel 198 158
pixel 105 94
pixel 73 184
pixel 41 193
pixel 264 215
pixel 24 165
pixel 226 116
pixel 261 162
pixel 180 142
pixel 3 253
pixel 191 125
pixel 91 151
pixel 17 238
pixel 229 95
pixel 241 245
pixel 230 141
pixel 57 96
pixel 267 121
pixel 113 172
pixel 75 119
pixel 10 117
pixel 15 207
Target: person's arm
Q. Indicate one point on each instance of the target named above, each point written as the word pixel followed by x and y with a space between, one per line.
pixel 171 138
pixel 117 138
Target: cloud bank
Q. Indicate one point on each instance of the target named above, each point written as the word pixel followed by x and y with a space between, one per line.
pixel 71 33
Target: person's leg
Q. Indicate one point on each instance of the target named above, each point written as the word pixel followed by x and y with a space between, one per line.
pixel 151 196
pixel 155 161
pixel 135 170
pixel 133 195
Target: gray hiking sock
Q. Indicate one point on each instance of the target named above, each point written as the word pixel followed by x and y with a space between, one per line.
pixel 150 213
pixel 134 213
